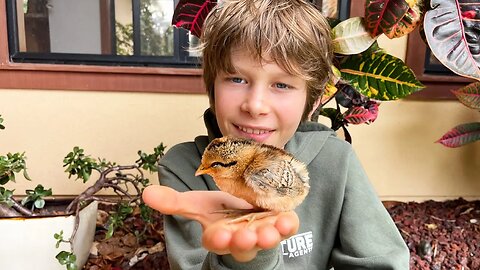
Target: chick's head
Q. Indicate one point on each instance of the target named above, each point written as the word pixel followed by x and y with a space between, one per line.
pixel 226 157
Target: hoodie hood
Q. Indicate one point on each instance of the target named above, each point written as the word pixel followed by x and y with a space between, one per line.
pixel 305 144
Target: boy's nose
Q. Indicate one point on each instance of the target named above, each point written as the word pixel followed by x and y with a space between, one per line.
pixel 256 103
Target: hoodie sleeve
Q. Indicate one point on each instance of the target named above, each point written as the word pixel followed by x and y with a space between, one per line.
pixel 367 236
pixel 183 237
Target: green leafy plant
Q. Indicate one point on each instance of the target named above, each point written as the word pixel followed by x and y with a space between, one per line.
pixel 35 197
pixel 126 181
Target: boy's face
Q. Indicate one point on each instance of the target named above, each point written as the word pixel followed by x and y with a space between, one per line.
pixel 259 101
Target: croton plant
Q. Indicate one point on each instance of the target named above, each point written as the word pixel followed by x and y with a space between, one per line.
pixel 367 75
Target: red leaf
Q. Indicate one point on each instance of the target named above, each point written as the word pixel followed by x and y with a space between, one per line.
pixel 360 115
pixel 461 135
pixel 469 95
pixel 191 14
pixel 381 15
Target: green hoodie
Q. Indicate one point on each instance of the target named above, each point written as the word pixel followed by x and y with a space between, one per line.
pixel 343 224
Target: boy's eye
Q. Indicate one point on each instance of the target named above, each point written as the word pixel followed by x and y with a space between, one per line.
pixel 237 80
pixel 282 85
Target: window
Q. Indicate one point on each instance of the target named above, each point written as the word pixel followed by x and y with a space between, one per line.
pixel 103 45
pixel 116 32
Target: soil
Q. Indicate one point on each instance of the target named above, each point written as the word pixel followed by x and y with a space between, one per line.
pixel 440 235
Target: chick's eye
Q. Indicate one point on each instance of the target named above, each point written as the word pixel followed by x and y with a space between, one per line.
pixel 217 164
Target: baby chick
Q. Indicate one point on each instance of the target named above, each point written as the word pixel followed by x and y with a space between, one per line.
pixel 265 176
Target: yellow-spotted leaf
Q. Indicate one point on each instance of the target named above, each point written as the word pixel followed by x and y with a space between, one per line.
pixel 331 88
pixel 452 29
pixel 351 37
pixel 379 76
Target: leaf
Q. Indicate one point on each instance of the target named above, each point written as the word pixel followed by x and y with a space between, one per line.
pixel 360 115
pixel 334 115
pixel 408 23
pixel 454 36
pixel 191 14
pixel 40 203
pixel 379 76
pixel 381 15
pixel 351 37
pixel 348 96
pixel 461 135
pixel 469 95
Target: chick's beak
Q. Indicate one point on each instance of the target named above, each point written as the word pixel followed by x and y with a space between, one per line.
pixel 201 170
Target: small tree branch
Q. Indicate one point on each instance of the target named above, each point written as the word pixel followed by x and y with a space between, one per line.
pixel 7 211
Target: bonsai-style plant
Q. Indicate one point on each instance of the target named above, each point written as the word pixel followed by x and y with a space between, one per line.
pixel 126 181
pixel 365 74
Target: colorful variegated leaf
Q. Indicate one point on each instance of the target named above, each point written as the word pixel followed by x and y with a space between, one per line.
pixel 360 115
pixel 331 88
pixel 379 76
pixel 190 14
pixel 408 23
pixel 381 15
pixel 469 95
pixel 452 30
pixel 461 135
pixel 351 37
pixel 349 97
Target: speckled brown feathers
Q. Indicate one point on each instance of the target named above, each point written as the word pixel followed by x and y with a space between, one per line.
pixel 265 176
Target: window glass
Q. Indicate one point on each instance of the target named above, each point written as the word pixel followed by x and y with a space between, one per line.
pixel 120 31
pixel 105 32
pixel 156 29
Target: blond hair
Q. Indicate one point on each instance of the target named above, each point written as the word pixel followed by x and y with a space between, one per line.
pixel 292 33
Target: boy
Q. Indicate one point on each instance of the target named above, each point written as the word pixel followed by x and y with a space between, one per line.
pixel 265 64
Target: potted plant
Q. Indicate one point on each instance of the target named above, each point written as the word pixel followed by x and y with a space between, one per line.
pixel 71 226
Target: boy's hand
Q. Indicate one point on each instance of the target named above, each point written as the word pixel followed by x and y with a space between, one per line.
pixel 241 241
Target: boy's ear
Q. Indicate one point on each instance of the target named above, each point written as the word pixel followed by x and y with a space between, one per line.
pixel 314 107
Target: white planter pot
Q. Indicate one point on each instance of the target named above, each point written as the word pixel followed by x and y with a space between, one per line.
pixel 29 243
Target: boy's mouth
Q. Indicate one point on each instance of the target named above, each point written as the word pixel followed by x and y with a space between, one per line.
pixel 257 134
pixel 252 130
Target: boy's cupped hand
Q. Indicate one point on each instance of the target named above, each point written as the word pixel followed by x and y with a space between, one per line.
pixel 219 236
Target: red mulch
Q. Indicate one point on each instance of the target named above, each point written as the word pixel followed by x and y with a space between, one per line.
pixel 440 235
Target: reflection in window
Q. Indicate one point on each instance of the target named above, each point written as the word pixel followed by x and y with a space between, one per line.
pixel 156 37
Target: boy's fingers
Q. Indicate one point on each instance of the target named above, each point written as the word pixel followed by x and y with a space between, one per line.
pixel 171 202
pixel 217 240
pixel 268 237
pixel 287 224
pixel 197 205
pixel 162 199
